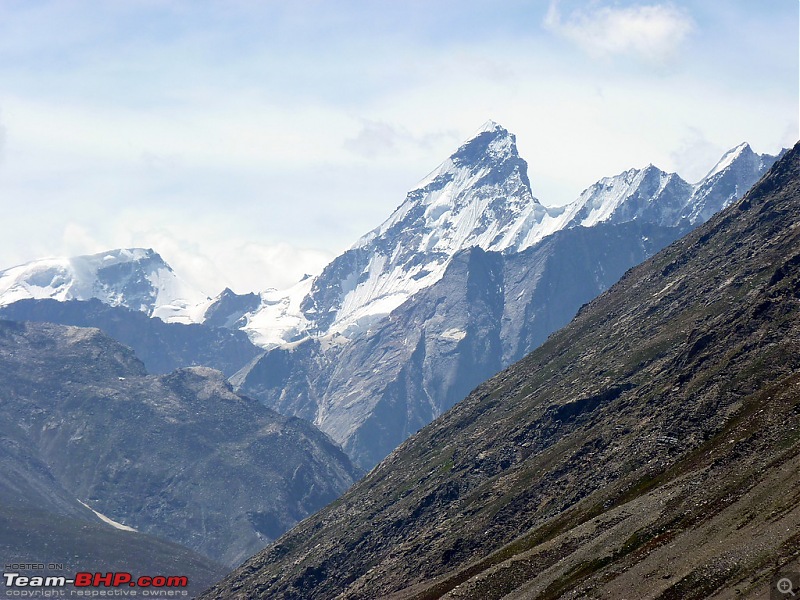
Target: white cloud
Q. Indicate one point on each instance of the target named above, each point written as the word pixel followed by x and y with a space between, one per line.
pixel 696 155
pixel 77 239
pixel 377 139
pixel 276 265
pixel 240 131
pixel 209 265
pixel 791 134
pixel 211 255
pixel 652 33
pixel 239 264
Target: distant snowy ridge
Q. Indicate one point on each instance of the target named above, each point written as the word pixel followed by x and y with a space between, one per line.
pixel 654 196
pixel 731 177
pixel 136 278
pixel 480 197
pixel 647 194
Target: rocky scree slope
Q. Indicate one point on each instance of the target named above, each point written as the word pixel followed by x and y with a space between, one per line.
pixel 179 456
pixel 650 448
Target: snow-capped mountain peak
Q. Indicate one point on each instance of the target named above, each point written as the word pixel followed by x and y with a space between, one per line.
pixel 136 278
pixel 489 126
pixel 649 194
pixel 654 196
pixel 743 150
pixel 474 198
pixel 737 170
pixel 480 196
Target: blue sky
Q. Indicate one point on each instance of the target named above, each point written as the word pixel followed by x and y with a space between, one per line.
pixel 249 142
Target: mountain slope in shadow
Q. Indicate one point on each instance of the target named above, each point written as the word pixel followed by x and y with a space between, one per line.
pixel 179 456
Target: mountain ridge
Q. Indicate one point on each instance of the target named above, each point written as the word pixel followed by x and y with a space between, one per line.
pixel 411 249
pixel 369 389
pixel 488 310
pixel 160 453
pixel 635 452
pixel 161 346
pixel 479 196
pixel 344 320
pixel 469 200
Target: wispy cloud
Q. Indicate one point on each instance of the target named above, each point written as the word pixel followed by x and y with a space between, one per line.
pixel 695 153
pixel 234 261
pixel 375 138
pixel 378 138
pixel 651 33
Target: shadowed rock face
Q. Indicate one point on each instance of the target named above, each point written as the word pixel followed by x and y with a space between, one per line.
pixel 650 448
pixel 228 308
pixel 488 311
pixel 179 456
pixel 162 347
